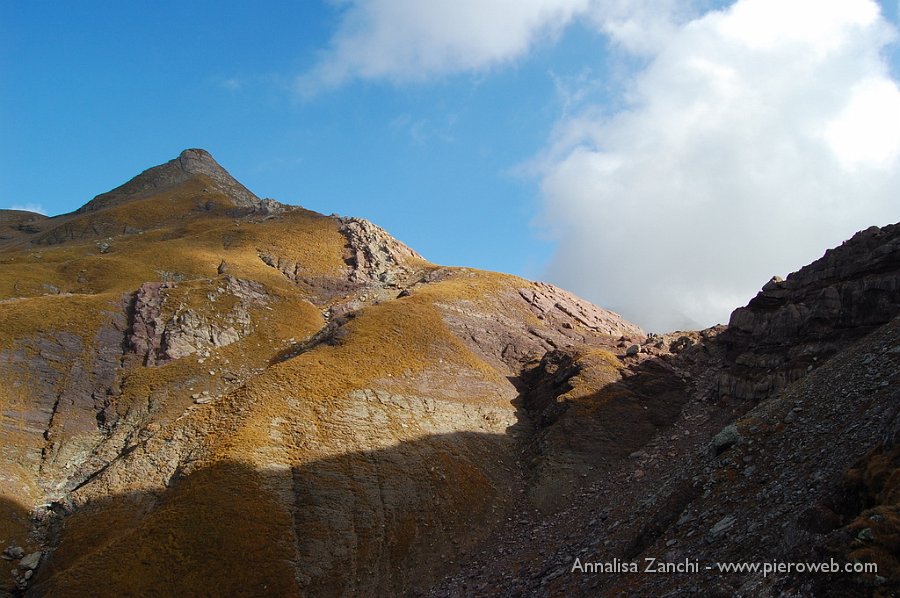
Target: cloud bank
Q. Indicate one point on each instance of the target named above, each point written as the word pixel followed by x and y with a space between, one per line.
pixel 757 137
pixel 752 138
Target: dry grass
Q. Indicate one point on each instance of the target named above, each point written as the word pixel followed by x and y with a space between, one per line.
pixel 185 232
pixel 218 532
pixel 876 481
pixel 392 341
pixel 77 314
pixel 467 284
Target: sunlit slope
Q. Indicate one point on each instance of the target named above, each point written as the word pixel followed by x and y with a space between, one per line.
pixel 190 368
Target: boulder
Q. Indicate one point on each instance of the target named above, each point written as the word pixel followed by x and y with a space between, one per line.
pixel 31 561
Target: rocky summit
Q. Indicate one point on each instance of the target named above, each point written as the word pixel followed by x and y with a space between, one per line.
pixel 209 393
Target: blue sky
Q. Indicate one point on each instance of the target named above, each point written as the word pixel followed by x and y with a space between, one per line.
pixel 621 148
pixel 96 95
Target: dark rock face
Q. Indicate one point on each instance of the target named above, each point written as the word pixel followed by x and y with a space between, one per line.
pixel 807 475
pixel 792 326
pixel 594 410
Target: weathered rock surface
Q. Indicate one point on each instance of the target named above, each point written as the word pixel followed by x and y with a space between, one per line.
pixel 190 331
pixel 166 327
pixel 793 326
pixel 31 561
pixel 323 289
pixel 374 255
pixel 56 391
pixel 13 552
pixel 548 301
pixel 514 329
pixel 145 336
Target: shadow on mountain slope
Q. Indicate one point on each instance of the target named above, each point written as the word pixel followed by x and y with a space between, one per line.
pixel 388 521
pixel 15 525
pixel 360 523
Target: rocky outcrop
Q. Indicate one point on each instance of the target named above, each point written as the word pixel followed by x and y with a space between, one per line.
pixel 192 331
pixel 594 407
pixel 796 479
pixel 515 328
pixel 778 491
pixel 161 332
pixel 145 336
pixel 321 288
pixel 792 326
pixel 552 303
pixel 374 261
pixel 374 256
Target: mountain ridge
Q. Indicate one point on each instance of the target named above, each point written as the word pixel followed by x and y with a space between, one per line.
pixel 207 392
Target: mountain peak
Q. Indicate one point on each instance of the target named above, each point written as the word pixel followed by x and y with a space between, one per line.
pixel 189 163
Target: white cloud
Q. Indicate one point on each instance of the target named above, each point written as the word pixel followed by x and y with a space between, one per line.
pixel 640 26
pixel 415 40
pixel 412 40
pixel 422 131
pixel 860 135
pixel 232 84
pixel 815 25
pixel 757 137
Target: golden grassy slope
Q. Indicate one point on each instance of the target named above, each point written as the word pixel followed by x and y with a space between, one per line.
pixel 201 536
pixel 183 240
pixel 371 451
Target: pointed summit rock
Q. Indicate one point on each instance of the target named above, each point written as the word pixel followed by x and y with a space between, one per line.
pixel 190 163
